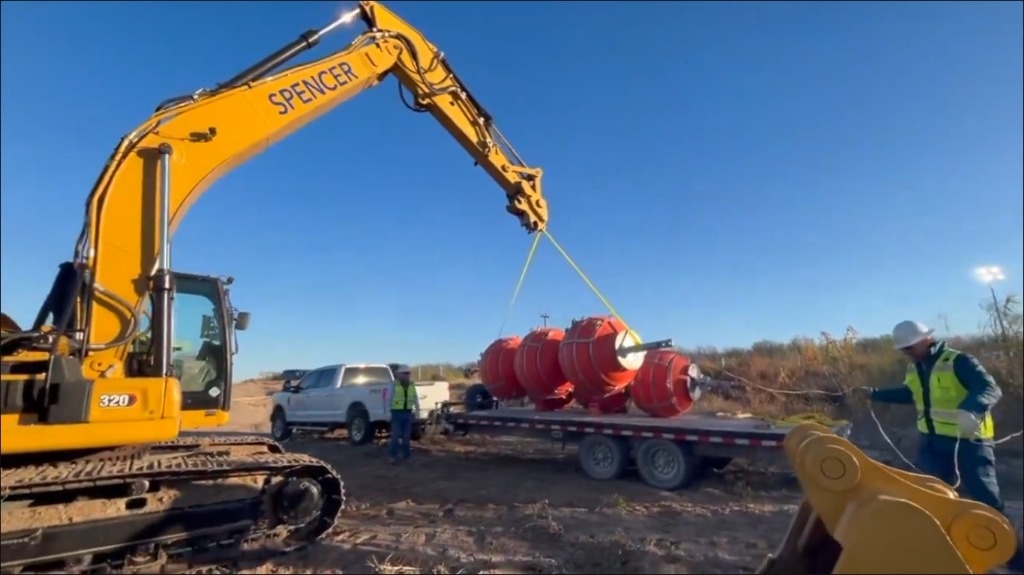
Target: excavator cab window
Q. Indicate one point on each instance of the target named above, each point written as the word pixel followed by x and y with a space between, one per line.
pixel 200 352
pixel 203 341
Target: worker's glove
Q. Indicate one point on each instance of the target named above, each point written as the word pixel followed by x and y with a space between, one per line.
pixel 969 423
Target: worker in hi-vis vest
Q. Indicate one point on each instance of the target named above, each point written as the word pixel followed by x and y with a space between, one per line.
pixel 954 397
pixel 404 405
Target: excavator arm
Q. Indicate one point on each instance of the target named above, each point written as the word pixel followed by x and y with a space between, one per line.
pixel 191 142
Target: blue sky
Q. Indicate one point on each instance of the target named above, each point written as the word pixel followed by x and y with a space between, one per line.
pixel 725 172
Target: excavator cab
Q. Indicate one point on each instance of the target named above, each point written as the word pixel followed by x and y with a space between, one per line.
pixel 204 342
pixel 48 373
pixel 861 516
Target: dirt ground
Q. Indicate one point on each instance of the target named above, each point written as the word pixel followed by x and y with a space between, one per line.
pixel 481 505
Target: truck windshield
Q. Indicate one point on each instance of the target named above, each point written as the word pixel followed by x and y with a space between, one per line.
pixel 366 375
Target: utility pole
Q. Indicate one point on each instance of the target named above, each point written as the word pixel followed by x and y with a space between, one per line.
pixel 544 316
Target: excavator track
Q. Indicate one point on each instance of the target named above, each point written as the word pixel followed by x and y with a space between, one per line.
pixel 180 506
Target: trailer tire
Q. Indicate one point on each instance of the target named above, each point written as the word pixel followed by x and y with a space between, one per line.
pixel 666 464
pixel 478 398
pixel 603 458
pixel 360 428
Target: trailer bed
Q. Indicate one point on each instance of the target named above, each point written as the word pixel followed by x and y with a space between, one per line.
pixel 699 428
pixel 667 452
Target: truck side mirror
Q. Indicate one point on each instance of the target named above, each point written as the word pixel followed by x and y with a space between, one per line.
pixel 242 321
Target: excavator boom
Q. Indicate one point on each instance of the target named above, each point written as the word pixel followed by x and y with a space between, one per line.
pixel 192 142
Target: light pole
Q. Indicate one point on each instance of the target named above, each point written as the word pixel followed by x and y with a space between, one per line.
pixel 989 275
pixel 544 316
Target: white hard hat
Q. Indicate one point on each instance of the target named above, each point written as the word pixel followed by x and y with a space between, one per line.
pixel 907 333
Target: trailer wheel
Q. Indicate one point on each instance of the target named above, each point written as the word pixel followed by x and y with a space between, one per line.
pixel 602 457
pixel 666 464
pixel 478 398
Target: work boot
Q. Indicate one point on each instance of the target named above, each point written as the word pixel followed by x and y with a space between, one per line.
pixel 391 461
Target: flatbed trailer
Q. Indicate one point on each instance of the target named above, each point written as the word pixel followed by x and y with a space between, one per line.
pixel 668 453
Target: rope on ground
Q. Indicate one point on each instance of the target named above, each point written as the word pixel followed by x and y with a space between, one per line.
pixel 805 417
pixel 519 283
pixel 587 281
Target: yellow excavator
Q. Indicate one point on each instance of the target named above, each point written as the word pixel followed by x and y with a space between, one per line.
pixel 125 352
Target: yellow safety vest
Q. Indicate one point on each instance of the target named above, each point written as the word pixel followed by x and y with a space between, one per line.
pixel 404 397
pixel 946 393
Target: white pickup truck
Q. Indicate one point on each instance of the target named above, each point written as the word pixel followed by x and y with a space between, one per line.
pixel 348 396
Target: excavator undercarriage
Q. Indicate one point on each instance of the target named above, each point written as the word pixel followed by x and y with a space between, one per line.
pixel 170 507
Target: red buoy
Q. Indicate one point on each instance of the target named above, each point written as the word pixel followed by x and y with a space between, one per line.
pixel 666 384
pixel 497 370
pixel 615 402
pixel 537 370
pixel 596 355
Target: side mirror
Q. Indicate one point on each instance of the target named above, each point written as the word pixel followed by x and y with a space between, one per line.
pixel 242 321
pixel 288 386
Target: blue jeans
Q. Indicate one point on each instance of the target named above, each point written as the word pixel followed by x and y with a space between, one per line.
pixel 401 434
pixel 977 465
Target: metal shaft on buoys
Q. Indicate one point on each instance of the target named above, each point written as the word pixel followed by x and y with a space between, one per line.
pixel 649 346
pixel 600 355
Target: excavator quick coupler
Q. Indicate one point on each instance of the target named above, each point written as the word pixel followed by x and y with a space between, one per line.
pixel 861 516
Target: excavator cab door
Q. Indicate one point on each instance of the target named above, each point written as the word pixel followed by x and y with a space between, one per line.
pixel 203 342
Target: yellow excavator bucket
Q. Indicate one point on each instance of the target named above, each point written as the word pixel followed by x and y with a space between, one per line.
pixel 861 516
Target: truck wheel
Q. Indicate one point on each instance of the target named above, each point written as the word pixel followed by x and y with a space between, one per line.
pixel 279 428
pixel 666 464
pixel 478 398
pixel 602 457
pixel 359 426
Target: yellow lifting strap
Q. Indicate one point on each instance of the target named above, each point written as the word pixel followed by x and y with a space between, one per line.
pixel 526 266
pixel 587 281
pixel 519 283
pixel 807 417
